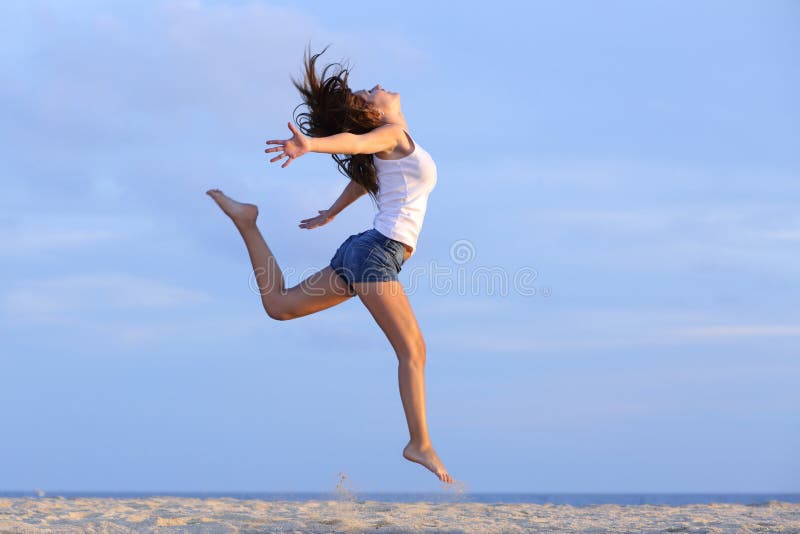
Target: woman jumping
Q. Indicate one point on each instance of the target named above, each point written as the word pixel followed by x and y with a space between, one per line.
pixel 367 135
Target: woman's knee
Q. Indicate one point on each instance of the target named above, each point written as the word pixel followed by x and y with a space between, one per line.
pixel 414 352
pixel 279 312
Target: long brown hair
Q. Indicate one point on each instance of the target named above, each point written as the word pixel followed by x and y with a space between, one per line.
pixel 332 109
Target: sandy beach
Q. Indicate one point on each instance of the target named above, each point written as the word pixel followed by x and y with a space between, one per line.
pixel 212 515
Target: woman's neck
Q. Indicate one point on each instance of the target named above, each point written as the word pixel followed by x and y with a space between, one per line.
pixel 395 118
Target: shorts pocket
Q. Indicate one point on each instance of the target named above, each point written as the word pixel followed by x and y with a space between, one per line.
pixel 399 255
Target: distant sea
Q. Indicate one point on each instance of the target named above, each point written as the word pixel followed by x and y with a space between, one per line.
pixel 574 499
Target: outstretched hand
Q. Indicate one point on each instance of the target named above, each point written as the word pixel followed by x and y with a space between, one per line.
pixel 295 147
pixel 324 217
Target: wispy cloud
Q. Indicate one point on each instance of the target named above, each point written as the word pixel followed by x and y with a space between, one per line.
pixel 735 331
pixel 215 60
pixel 596 328
pixel 181 329
pixel 32 233
pixel 781 234
pixel 72 299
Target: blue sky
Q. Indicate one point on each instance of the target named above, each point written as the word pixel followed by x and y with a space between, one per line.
pixel 640 158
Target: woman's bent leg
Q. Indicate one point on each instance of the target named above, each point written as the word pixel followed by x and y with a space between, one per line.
pixel 389 305
pixel 319 291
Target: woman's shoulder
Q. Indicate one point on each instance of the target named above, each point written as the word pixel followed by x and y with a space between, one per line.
pixel 404 148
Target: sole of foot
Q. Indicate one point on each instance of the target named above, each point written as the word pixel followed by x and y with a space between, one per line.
pixel 240 212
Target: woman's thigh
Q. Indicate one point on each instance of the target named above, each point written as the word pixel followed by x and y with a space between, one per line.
pixel 319 291
pixel 389 306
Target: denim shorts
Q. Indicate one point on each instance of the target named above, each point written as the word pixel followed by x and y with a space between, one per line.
pixel 368 256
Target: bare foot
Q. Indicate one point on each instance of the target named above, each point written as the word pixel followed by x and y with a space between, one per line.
pixel 427 456
pixel 241 214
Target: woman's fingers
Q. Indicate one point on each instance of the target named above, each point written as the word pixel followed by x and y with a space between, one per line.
pixel 313 222
pixel 282 147
pixel 314 218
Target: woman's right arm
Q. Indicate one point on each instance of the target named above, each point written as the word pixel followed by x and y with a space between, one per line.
pixel 382 138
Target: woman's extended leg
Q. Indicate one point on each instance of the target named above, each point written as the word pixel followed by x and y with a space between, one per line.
pixel 388 304
pixel 319 291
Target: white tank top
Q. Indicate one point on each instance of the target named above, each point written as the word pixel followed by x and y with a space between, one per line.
pixel 403 188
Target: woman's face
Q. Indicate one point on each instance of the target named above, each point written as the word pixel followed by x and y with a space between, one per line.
pixel 378 97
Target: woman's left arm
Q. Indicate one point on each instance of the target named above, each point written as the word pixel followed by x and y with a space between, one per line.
pixel 351 193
